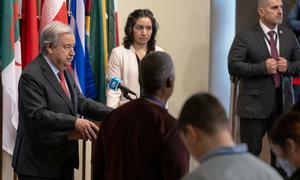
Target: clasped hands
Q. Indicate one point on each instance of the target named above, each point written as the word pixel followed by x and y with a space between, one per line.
pixel 274 66
pixel 87 129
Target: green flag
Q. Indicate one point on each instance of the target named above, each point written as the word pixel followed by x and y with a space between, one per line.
pixel 111 25
pixel 98 47
pixel 10 56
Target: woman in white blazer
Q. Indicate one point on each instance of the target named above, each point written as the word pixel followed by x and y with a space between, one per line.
pixel 140 32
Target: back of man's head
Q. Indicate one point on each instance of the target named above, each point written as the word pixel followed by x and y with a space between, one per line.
pixel 203 111
pixel 155 70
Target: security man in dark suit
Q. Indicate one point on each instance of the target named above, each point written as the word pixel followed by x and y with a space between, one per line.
pixel 264 58
pixel 49 104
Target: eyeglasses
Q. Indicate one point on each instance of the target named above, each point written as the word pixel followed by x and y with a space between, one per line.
pixel 141 27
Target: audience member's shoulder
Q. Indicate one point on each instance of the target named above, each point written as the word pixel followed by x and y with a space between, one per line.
pixel 230 167
pixel 261 168
pixel 194 176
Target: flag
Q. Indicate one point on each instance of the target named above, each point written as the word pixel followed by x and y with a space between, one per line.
pixel 98 47
pixel 29 32
pixel 104 36
pixel 81 64
pixel 10 56
pixel 111 28
pixel 88 5
pixel 116 23
pixel 53 11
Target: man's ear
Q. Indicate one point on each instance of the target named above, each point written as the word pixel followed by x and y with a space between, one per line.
pixel 170 82
pixel 260 11
pixel 49 48
pixel 191 133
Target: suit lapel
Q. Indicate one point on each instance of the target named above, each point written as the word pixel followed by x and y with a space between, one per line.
pixel 50 76
pixel 282 42
pixel 261 41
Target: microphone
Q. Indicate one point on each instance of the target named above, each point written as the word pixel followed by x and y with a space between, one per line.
pixel 116 83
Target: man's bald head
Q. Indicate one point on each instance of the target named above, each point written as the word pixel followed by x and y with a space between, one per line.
pixel 262 3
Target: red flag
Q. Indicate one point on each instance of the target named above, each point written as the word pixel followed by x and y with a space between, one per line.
pixel 29 32
pixel 53 11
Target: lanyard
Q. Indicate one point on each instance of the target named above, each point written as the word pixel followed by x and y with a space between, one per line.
pixel 268 40
pixel 238 149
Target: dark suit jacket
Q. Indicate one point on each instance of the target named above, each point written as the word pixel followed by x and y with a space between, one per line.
pixel 46 115
pixel 246 60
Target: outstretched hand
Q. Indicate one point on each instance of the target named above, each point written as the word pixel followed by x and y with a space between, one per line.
pixel 87 129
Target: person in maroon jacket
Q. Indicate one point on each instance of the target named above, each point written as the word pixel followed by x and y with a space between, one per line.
pixel 139 140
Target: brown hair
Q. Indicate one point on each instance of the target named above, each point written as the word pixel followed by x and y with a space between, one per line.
pixel 286 127
pixel 204 112
pixel 131 20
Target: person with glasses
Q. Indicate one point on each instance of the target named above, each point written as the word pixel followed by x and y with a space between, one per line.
pixel 140 33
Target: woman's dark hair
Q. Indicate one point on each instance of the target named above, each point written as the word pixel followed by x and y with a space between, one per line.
pixel 286 127
pixel 131 20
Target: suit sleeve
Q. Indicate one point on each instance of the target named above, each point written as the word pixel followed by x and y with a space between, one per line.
pixel 294 61
pixel 34 104
pixel 239 62
pixel 89 108
pixel 92 109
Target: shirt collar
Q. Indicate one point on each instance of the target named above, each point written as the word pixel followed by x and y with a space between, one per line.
pixel 266 29
pixel 237 149
pixel 52 66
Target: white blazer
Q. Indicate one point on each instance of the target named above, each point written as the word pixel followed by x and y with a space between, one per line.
pixel 123 64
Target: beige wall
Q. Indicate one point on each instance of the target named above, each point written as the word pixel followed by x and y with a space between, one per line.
pixel 184 34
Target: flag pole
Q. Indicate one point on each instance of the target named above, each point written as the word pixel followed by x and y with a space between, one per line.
pixel 1 118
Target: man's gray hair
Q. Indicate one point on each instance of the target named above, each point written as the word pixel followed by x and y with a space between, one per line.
pixel 154 70
pixel 51 33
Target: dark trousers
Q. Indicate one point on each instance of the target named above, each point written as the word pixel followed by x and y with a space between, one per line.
pixel 69 175
pixel 252 131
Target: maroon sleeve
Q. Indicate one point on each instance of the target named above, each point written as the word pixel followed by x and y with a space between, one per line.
pixel 175 158
pixel 98 160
